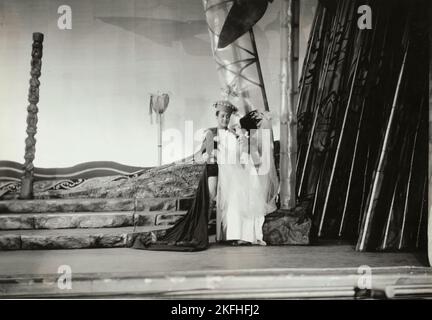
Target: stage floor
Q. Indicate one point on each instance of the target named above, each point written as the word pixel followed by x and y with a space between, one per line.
pixel 217 257
pixel 329 270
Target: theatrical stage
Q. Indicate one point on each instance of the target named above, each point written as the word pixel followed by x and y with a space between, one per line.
pixel 327 270
pixel 349 97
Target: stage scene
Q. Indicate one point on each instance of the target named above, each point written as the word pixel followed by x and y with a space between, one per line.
pixel 215 149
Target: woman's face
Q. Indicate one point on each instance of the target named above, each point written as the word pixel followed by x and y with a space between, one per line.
pixel 223 119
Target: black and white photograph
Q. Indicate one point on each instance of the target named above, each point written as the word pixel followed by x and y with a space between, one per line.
pixel 226 151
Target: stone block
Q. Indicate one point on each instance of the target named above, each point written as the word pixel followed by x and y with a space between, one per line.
pixel 131 237
pixel 84 220
pixel 167 219
pixel 287 230
pixel 111 240
pixel 66 205
pixel 145 218
pixel 10 242
pixel 16 222
pixel 155 204
pixel 72 241
pixel 112 220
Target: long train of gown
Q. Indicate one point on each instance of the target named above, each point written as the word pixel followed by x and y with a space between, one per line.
pixel 190 233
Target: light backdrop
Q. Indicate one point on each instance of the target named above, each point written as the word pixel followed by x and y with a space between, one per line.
pixel 96 77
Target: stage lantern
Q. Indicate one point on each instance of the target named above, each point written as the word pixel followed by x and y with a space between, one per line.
pixel 158 104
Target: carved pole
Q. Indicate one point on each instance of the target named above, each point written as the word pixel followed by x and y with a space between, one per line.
pixel 32 109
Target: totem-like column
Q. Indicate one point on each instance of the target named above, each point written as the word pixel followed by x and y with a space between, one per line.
pixel 32 109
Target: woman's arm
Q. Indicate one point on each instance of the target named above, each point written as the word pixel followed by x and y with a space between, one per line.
pixel 208 146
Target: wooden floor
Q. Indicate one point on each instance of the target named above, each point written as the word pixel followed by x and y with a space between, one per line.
pixel 217 257
pixel 329 270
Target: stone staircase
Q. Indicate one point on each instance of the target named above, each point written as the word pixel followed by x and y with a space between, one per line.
pixel 81 223
pixel 84 223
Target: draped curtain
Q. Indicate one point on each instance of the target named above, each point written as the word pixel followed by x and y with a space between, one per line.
pixel 363 125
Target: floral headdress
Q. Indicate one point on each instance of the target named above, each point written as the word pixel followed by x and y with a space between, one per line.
pixel 225 105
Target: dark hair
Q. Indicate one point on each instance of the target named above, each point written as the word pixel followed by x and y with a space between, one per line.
pixel 251 120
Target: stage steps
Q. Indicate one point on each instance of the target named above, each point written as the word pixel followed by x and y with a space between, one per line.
pixel 110 222
pixel 93 205
pixel 73 220
pixel 84 223
pixel 72 238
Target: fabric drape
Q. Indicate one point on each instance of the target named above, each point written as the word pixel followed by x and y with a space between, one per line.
pixel 190 233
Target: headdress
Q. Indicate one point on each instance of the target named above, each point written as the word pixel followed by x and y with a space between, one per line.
pixel 225 105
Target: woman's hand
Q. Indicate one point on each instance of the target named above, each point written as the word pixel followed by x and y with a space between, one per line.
pixel 242 138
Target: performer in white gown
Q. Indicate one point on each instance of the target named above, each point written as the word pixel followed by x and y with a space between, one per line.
pixel 247 183
pixel 245 180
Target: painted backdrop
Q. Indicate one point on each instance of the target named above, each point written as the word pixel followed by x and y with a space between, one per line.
pixel 96 77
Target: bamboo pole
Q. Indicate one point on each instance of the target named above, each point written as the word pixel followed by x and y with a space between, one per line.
pixel 339 21
pixel 317 25
pixel 430 140
pixel 408 188
pixel 379 174
pixel 310 43
pixel 364 188
pixel 353 162
pixel 321 85
pixel 390 215
pixel 288 116
pixel 341 136
pixel 32 119
pixel 368 156
pixel 402 159
pixel 315 198
pixel 423 206
pixel 357 139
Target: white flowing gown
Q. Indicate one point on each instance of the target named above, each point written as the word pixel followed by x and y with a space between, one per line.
pixel 247 185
